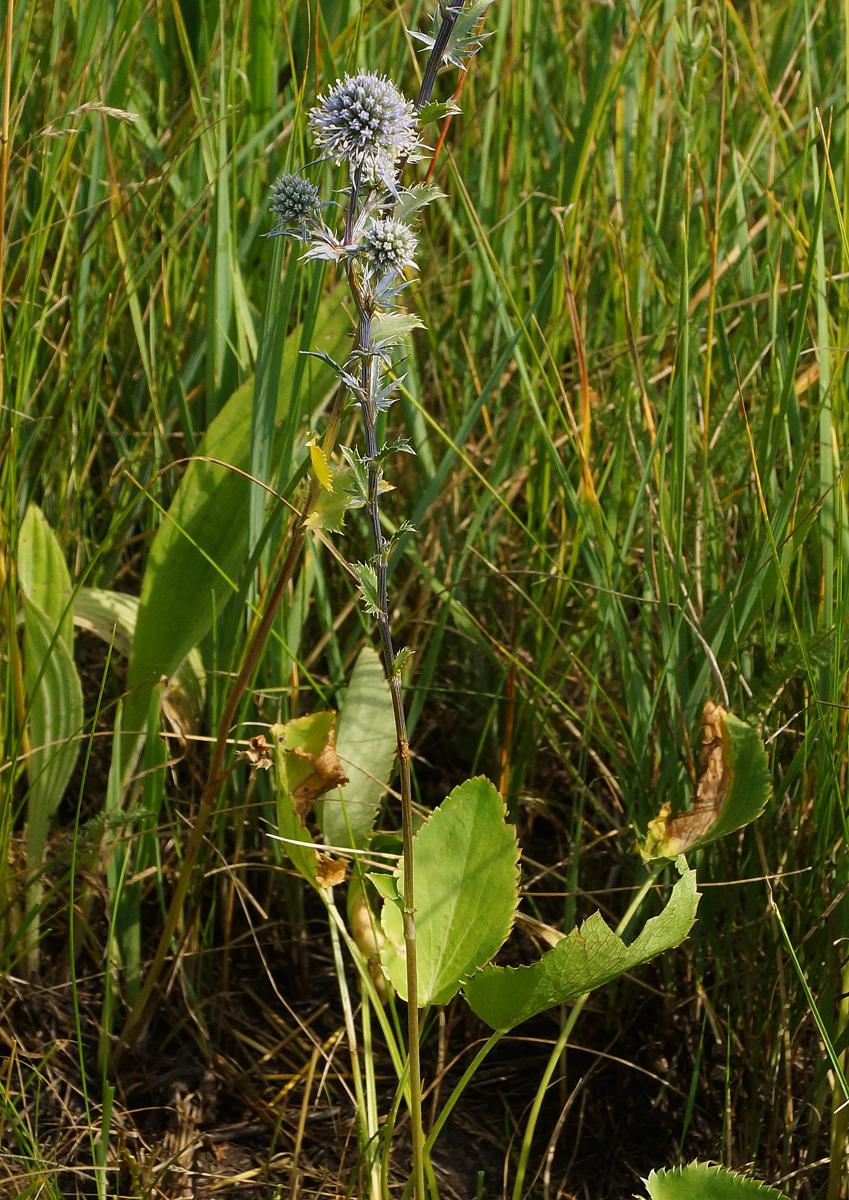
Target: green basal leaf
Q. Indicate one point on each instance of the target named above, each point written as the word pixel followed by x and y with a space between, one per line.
pixel 200 549
pixel 55 721
pixel 587 958
pixel 54 696
pixel 366 744
pixel 52 684
pixel 699 1181
pixel 42 572
pixel 111 616
pixel 465 866
pixel 734 788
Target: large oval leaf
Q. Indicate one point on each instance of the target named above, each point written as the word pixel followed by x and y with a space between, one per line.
pixel 366 745
pixel 587 958
pixel 466 878
pixel 699 1181
pixel 201 547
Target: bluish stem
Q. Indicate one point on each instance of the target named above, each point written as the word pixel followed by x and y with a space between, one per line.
pixel 365 313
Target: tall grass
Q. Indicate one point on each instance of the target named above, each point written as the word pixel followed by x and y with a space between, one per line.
pixel 629 406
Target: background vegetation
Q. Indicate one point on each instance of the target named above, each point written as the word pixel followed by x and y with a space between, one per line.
pixel 628 406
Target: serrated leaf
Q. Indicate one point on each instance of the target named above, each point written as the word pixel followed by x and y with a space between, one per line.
pixel 399 446
pixel 320 466
pixel 436 110
pixel 398 535
pixel 733 789
pixel 328 514
pixel 351 382
pixel 402 658
pixel 466 878
pixel 384 394
pixel 356 487
pixel 699 1181
pixel 366 743
pixel 367 577
pixel 390 329
pixel 465 38
pixel 587 958
pixel 424 193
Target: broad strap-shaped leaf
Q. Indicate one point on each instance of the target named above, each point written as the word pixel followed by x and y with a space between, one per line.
pixel 699 1181
pixel 55 721
pixel 465 875
pixel 306 766
pixel 366 745
pixel 53 688
pixel 111 616
pixel 53 692
pixel 43 573
pixel 587 958
pixel 733 789
pixel 200 548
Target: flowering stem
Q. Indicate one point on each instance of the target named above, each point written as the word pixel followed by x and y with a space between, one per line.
pixel 365 313
pixel 450 13
pixel 366 121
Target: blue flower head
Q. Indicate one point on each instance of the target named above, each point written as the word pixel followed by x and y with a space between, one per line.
pixel 389 246
pixel 294 199
pixel 365 120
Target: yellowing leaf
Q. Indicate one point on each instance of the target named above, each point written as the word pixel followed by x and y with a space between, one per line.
pixel 320 467
pixel 331 506
pixel 733 788
pixel 306 766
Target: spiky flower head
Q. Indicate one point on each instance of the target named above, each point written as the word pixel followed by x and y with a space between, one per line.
pixel 294 198
pixel 366 120
pixel 389 247
pixel 373 172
